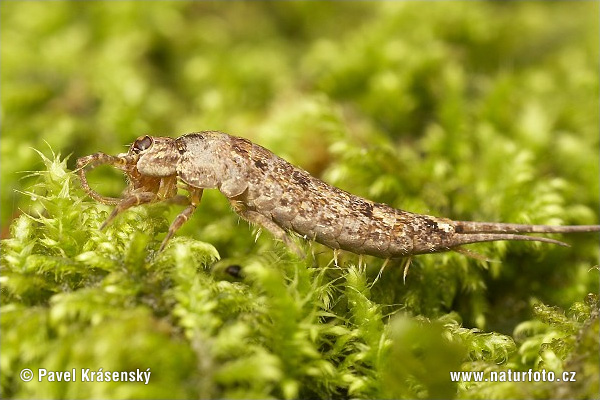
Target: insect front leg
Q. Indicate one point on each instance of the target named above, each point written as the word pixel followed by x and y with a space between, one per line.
pixel 134 200
pixel 267 223
pixel 193 201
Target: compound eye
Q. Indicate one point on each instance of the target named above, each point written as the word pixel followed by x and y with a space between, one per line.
pixel 142 144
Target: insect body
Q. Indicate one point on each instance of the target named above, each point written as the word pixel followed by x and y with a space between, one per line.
pixel 266 190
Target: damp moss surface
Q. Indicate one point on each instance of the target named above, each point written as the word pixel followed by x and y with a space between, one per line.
pixel 469 110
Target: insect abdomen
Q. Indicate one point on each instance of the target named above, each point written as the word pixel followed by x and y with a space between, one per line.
pixel 299 202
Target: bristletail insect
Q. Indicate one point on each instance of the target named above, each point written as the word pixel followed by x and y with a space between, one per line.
pixel 266 190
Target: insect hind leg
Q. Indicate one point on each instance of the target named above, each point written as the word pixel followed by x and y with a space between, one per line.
pixel 267 223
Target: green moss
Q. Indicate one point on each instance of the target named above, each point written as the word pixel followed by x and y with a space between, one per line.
pixel 482 111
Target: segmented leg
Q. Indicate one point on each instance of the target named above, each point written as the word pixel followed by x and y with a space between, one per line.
pixel 194 201
pixel 131 201
pixel 267 223
pixel 179 200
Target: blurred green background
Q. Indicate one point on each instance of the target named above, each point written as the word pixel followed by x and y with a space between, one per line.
pixel 469 110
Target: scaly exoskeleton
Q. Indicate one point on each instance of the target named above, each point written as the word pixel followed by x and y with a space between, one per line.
pixel 267 190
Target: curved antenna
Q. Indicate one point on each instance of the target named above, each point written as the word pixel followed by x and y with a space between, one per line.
pixel 95 160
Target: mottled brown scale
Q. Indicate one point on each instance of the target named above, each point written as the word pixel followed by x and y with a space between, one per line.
pixel 267 190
